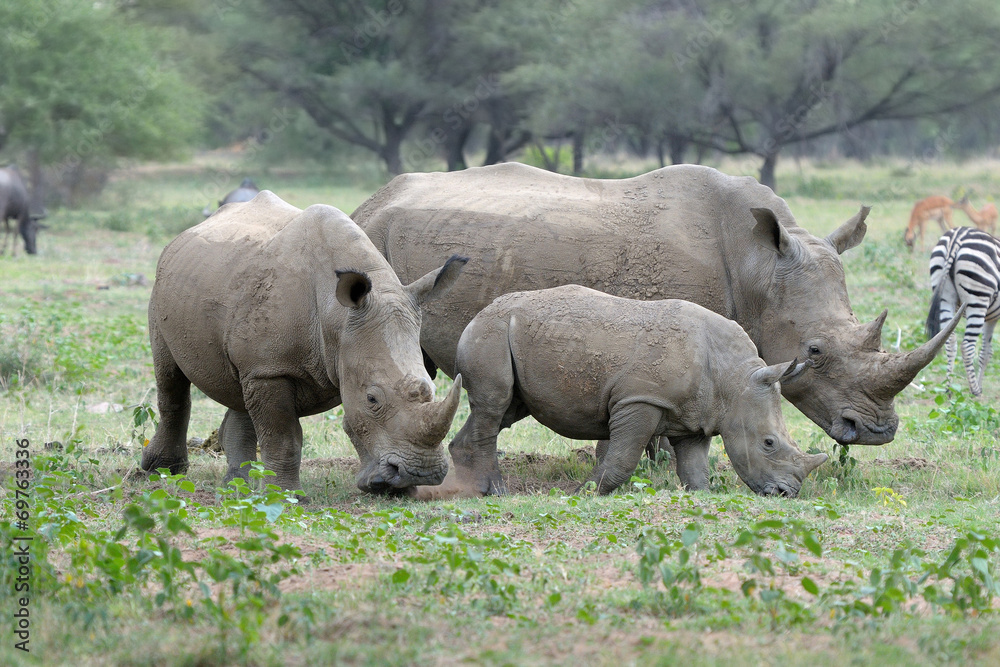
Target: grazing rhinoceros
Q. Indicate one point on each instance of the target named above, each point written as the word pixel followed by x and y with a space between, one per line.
pixel 247 191
pixel 589 365
pixel 686 232
pixel 14 205
pixel 278 313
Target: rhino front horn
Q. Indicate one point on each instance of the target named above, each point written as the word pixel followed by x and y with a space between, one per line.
pixel 813 461
pixel 435 418
pixel 900 369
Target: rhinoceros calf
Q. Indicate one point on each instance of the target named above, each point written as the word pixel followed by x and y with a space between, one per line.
pixel 589 365
pixel 278 313
pixel 683 232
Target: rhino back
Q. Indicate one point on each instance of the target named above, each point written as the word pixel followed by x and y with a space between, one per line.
pixel 655 236
pixel 241 293
pixel 578 353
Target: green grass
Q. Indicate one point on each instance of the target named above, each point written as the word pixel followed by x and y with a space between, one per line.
pixel 898 541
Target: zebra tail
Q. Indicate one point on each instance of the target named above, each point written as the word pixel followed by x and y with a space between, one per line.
pixel 933 325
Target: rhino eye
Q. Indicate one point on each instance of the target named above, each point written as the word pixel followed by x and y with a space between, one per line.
pixel 813 350
pixel 769 443
pixel 372 400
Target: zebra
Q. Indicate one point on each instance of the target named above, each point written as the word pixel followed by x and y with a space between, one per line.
pixel 965 269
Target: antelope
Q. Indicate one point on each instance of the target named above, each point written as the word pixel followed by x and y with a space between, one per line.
pixel 985 219
pixel 932 208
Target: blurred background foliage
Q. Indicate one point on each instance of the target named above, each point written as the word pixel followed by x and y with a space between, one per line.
pixel 446 84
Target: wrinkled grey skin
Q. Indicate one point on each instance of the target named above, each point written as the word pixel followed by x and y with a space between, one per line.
pixel 278 313
pixel 14 205
pixel 247 191
pixel 687 232
pixel 593 366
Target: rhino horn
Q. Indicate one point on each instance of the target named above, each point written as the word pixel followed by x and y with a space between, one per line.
pixel 812 461
pixel 900 369
pixel 435 418
pixel 872 332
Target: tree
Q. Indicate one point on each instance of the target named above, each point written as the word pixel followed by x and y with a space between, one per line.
pixel 378 73
pixel 777 73
pixel 359 69
pixel 81 85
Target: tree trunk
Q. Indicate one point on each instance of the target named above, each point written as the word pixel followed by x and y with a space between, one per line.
pixel 494 148
pixel 455 147
pixel 767 170
pixel 390 153
pixel 659 153
pixel 551 163
pixel 678 146
pixel 578 152
pixel 500 144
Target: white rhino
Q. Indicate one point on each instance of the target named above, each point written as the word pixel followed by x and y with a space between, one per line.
pixel 687 232
pixel 593 366
pixel 278 313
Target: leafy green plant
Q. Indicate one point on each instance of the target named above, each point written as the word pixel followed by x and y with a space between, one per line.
pixel 958 412
pixel 143 414
pixel 673 561
pixel 972 589
pixel 890 498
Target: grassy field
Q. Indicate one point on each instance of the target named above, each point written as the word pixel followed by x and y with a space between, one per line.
pixel 888 556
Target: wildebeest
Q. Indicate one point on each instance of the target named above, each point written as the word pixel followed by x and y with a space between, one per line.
pixel 15 205
pixel 245 192
pixel 278 313
pixel 689 232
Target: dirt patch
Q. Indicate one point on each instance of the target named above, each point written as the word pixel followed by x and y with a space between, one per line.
pixel 335 576
pixel 909 463
pixel 345 463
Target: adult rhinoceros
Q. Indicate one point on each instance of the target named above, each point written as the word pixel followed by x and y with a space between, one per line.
pixel 14 205
pixel 278 313
pixel 687 232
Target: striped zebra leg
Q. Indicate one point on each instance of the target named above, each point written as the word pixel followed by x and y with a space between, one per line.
pixel 950 345
pixel 987 349
pixel 975 320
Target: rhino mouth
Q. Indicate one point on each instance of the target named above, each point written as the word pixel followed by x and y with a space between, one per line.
pixel 850 429
pixel 779 489
pixel 390 475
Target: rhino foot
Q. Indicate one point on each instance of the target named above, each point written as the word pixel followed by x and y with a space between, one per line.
pixel 176 466
pixel 456 485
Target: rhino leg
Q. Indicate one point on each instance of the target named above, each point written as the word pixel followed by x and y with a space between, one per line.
pixel 239 442
pixel 632 427
pixel 655 445
pixel 488 374
pixel 692 461
pixel 168 447
pixel 271 405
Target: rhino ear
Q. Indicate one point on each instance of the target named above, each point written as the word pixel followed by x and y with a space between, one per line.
pixel 352 287
pixel 438 281
pixel 780 372
pixel 768 231
pixel 851 232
